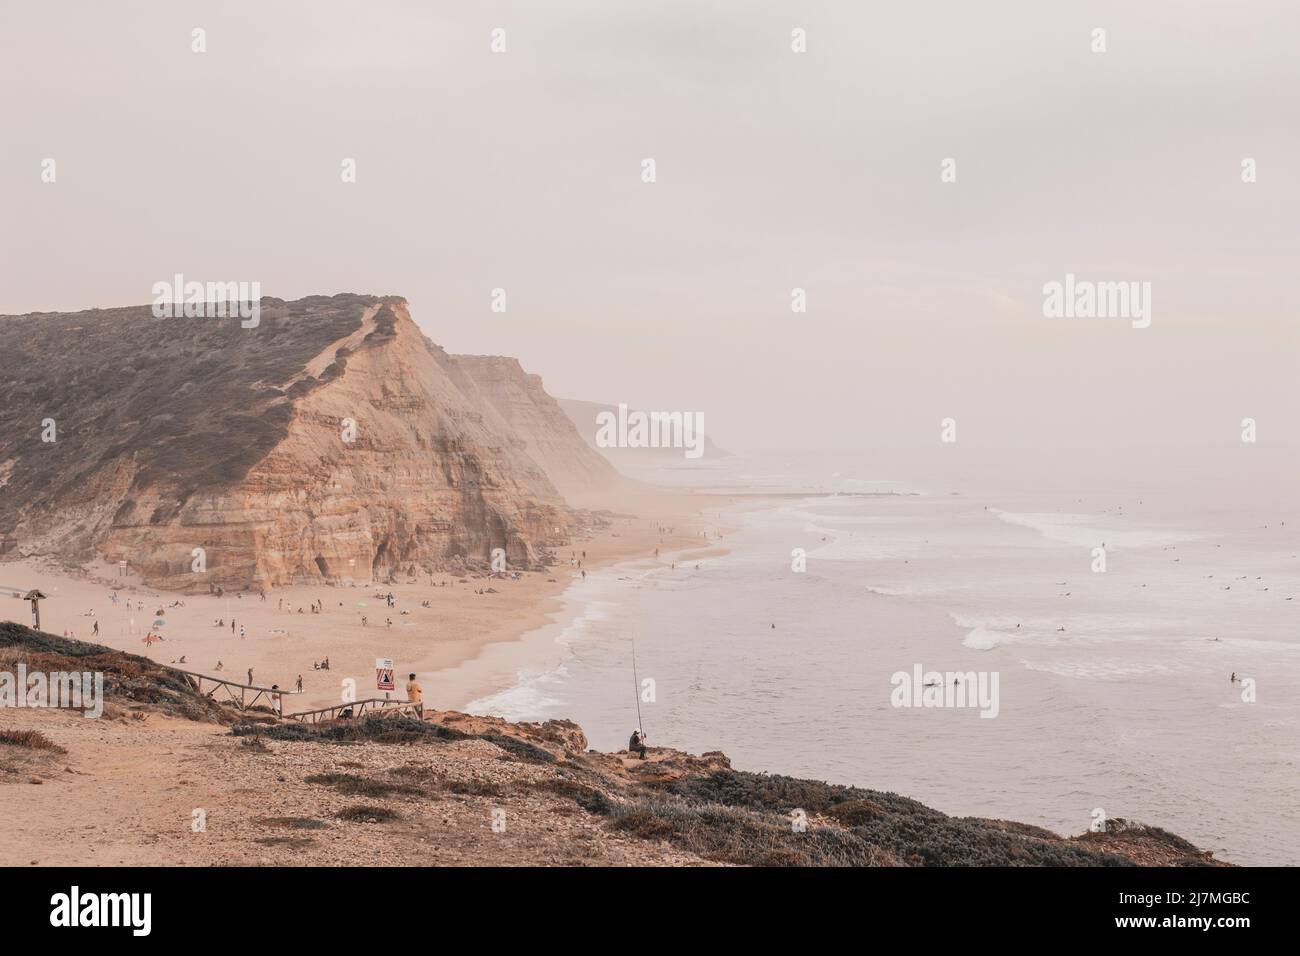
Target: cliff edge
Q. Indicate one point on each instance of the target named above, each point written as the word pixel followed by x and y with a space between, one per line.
pixel 331 442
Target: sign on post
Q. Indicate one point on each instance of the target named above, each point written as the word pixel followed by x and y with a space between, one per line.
pixel 384 674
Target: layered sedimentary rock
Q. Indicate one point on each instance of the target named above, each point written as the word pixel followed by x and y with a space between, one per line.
pixel 332 441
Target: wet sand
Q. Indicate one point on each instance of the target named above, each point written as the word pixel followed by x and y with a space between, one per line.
pixel 280 643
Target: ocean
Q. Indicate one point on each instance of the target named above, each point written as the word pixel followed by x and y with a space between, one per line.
pixel 1114 690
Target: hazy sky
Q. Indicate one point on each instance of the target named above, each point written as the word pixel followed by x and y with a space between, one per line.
pixel 775 170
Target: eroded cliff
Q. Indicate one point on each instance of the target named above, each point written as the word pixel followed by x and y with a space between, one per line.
pixel 330 442
pixel 550 436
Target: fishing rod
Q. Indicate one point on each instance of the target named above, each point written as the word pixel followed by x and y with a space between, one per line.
pixel 636 687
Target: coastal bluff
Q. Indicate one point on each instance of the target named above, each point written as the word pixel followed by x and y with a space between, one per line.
pixel 331 442
pixel 448 789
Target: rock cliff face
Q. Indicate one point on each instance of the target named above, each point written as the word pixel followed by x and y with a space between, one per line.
pixel 333 441
pixel 550 437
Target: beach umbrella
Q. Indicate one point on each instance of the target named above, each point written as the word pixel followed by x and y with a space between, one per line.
pixel 159 623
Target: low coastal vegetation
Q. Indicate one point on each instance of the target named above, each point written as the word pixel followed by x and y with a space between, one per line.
pixel 368 814
pixel 412 773
pixel 31 739
pixel 356 786
pixel 394 729
pixel 128 678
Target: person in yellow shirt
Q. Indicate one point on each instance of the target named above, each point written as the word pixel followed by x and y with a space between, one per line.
pixel 415 693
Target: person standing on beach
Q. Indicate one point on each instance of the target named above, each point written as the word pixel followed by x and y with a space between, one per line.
pixel 250 677
pixel 300 683
pixel 415 693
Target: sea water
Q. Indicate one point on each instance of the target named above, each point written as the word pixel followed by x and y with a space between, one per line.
pixel 1115 691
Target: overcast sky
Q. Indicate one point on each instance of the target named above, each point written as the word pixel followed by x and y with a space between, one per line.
pixel 775 170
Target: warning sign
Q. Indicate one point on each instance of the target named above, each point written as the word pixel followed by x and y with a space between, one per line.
pixel 384 674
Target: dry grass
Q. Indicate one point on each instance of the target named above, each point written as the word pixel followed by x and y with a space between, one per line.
pixel 290 842
pixel 293 823
pixel 368 814
pixel 430 779
pixel 356 786
pixel 31 739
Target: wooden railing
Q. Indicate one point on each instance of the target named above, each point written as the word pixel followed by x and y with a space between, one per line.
pixel 377 705
pixel 229 686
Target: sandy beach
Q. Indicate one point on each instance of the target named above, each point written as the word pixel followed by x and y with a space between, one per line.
pixel 280 638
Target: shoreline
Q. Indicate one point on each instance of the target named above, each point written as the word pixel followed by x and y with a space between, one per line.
pixel 434 783
pixel 519 629
pixel 865 637
pixel 502 654
pixel 541 649
pixel 450 645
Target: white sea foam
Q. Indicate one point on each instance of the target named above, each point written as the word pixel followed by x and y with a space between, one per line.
pixel 982 639
pixel 726 678
pixel 530 698
pixel 1109 669
pixel 1087 530
pixel 814 516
